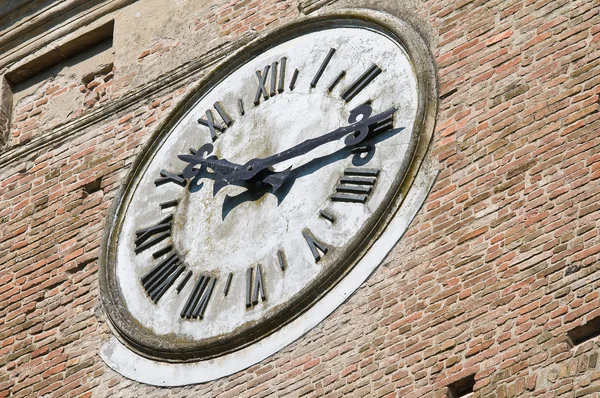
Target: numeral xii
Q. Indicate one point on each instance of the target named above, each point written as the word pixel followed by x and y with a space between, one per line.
pixel 277 80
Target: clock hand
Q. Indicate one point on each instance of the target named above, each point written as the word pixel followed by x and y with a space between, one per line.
pixel 221 166
pixel 355 134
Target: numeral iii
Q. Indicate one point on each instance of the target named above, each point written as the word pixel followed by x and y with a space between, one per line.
pixel 355 186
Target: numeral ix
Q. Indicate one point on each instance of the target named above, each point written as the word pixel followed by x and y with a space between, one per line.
pixel 150 236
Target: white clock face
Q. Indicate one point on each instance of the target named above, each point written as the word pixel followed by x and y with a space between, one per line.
pixel 296 160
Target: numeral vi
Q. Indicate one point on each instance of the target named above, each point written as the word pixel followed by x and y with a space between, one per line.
pixel 256 289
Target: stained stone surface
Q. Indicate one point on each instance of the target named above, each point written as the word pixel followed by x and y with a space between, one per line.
pixel 214 238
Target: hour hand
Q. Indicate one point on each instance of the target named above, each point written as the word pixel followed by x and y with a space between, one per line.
pixel 200 158
pixel 222 168
pixel 273 178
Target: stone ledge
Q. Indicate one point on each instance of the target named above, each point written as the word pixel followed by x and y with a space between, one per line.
pixel 308 6
pixel 35 33
pixel 168 81
pixel 5 111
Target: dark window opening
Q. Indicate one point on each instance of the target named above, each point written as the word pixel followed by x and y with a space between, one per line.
pixel 462 387
pixel 92 187
pixel 583 333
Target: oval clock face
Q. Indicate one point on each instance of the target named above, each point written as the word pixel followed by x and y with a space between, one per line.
pixel 262 193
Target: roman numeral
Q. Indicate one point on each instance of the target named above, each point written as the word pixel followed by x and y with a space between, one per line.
pixel 355 185
pixel 276 85
pixel 227 284
pixel 184 282
pixel 359 84
pixel 294 78
pixel 241 107
pixel 273 78
pixel 162 252
pixel 170 177
pixel 281 258
pixel 198 301
pixel 262 79
pixel 161 278
pixel 256 290
pixel 317 76
pixel 281 76
pixel 212 125
pixel 316 247
pixel 336 80
pixel 326 215
pixel 170 203
pixel 162 230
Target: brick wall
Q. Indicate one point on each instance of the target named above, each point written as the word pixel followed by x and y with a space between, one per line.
pixel 499 264
pixel 34 112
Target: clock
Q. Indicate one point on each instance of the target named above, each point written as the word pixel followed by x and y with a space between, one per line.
pixel 265 188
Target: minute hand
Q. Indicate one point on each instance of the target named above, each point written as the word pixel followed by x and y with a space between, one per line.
pixel 355 133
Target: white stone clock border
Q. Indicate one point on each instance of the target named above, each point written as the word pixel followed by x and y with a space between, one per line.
pixel 138 368
pixel 419 180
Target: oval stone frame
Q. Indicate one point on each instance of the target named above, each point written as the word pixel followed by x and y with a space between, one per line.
pixel 138 355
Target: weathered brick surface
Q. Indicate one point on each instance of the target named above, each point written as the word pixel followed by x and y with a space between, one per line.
pixel 499 264
pixel 33 114
pixel 237 17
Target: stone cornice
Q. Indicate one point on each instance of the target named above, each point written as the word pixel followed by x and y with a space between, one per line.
pixel 38 29
pixel 131 100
